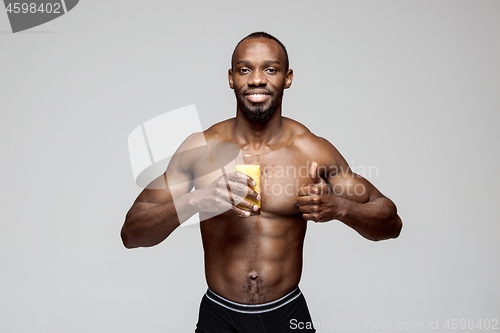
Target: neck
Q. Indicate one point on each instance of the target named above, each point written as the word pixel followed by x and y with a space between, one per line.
pixel 254 135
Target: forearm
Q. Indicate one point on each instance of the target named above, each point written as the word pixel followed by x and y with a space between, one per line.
pixel 375 220
pixel 148 224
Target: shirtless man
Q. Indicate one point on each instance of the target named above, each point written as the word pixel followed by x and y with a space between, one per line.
pixel 253 264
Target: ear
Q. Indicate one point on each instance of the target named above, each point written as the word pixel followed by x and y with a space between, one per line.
pixel 230 78
pixel 289 78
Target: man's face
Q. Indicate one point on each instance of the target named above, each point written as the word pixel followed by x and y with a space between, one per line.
pixel 259 77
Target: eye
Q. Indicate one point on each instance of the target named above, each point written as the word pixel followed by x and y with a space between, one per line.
pixel 244 71
pixel 271 70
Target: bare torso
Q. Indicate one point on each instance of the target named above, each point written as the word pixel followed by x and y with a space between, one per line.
pixel 258 259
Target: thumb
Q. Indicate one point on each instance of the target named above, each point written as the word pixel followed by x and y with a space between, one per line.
pixel 313 173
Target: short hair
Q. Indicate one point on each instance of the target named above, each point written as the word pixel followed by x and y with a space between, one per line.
pixel 262 34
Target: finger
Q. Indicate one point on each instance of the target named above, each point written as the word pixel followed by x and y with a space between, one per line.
pixel 309 200
pixel 241 177
pixel 254 194
pixel 235 200
pixel 247 204
pixel 310 209
pixel 243 190
pixel 309 217
pixel 307 190
pixel 314 189
pixel 226 188
pixel 226 206
pixel 304 201
pixel 306 209
pixel 313 173
pixel 242 203
pixel 238 188
pixel 221 206
pixel 240 212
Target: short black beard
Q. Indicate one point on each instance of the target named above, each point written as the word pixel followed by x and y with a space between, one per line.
pixel 259 115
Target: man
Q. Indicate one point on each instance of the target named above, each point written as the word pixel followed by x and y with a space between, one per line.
pixel 253 263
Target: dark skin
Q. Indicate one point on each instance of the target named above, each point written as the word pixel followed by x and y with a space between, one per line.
pixel 257 259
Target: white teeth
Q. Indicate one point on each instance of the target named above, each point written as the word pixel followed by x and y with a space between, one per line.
pixel 258 95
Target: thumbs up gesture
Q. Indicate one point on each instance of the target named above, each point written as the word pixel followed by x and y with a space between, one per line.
pixel 316 201
pixel 318 182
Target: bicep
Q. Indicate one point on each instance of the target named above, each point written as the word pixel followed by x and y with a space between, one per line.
pixel 351 186
pixel 161 191
pixel 177 180
pixel 342 181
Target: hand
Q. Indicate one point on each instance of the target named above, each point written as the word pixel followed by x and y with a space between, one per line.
pixel 228 191
pixel 316 201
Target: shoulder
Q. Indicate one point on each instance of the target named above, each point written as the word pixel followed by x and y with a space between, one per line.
pixel 303 139
pixel 220 132
pixel 216 132
pixel 195 148
pixel 315 148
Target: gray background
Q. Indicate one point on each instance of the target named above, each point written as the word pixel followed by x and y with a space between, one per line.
pixel 411 87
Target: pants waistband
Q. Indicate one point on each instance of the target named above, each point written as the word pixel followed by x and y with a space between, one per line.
pixel 253 308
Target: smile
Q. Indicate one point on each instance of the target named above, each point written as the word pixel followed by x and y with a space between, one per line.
pixel 257 98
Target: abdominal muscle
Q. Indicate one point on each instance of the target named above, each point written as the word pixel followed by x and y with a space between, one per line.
pixel 253 260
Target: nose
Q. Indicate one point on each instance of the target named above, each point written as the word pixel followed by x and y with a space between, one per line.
pixel 257 79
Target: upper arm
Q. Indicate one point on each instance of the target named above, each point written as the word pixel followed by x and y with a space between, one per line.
pixel 342 180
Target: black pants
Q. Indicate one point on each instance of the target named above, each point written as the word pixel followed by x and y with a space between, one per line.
pixel 287 314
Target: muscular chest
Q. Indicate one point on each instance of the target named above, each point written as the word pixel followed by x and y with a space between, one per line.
pixel 282 175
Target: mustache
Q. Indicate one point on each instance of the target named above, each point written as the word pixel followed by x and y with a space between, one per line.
pixel 244 92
